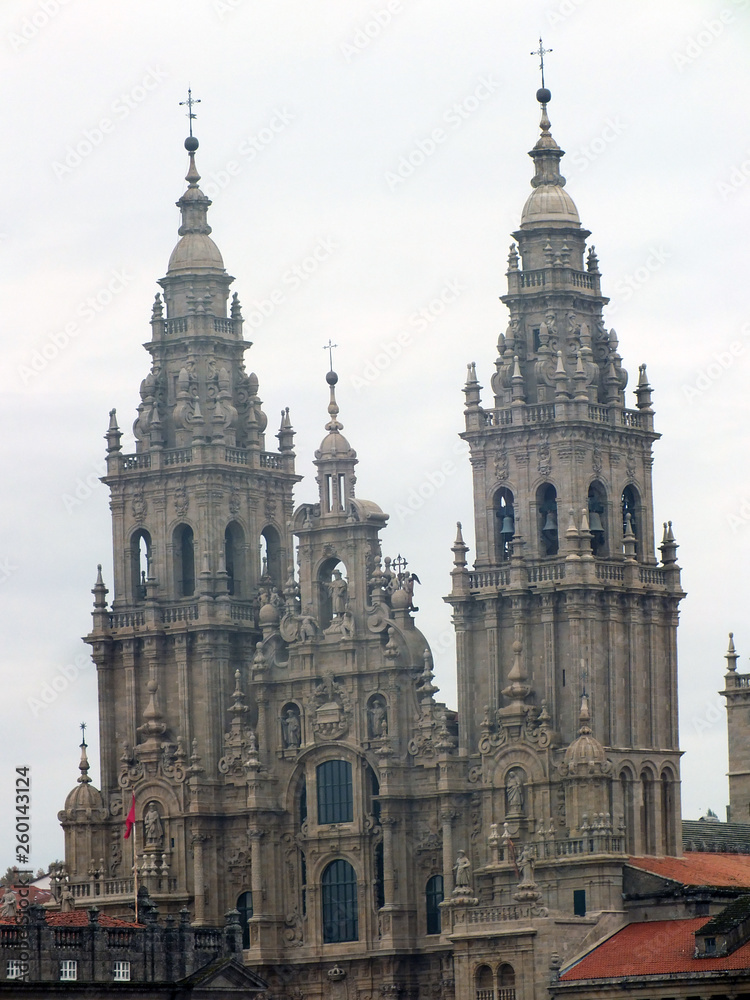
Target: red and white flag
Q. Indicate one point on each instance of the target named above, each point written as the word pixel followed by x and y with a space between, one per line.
pixel 130 819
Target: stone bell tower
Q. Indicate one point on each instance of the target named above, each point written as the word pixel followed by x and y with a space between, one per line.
pixel 567 599
pixel 200 518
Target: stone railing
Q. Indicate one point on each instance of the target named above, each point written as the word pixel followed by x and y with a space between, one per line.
pixel 614 571
pixel 179 613
pixel 650 574
pixel 499 914
pixel 67 937
pixel 137 461
pixel 541 572
pixel 270 460
pixel 177 456
pixel 483 579
pixel 112 887
pixel 208 939
pixel 127 619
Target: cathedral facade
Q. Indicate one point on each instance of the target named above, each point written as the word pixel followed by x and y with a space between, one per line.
pixel 275 718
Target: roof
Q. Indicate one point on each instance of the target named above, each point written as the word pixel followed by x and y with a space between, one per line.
pixel 653 948
pixel 714 835
pixel 77 918
pixel 731 871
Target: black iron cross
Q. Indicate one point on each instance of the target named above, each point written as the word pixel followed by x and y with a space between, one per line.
pixel 196 100
pixel 541 52
pixel 83 732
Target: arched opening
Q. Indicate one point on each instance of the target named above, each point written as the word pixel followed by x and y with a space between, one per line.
pixel 339 903
pixel 140 561
pixel 597 504
pixel 631 515
pixel 291 726
pixel 270 555
pixel 628 810
pixel 234 558
pixel 379 875
pixel 546 505
pixel 302 801
pixel 667 812
pixel 434 896
pixel 333 591
pixel 506 982
pixel 377 717
pixel 648 838
pixel 505 523
pixel 245 908
pixel 485 983
pixel 184 560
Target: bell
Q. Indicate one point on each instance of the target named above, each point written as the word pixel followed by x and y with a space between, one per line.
pixel 595 522
pixel 550 523
pixel 507 528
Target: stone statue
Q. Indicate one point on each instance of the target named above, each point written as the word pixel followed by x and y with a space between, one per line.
pixel 526 864
pixel 67 900
pixel 291 729
pixel 377 717
pixel 153 826
pixel 308 628
pixel 514 794
pixel 8 904
pixel 337 588
pixel 462 868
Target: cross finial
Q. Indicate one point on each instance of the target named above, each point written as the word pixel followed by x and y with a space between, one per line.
pixel 329 347
pixel 83 734
pixel 190 102
pixel 541 52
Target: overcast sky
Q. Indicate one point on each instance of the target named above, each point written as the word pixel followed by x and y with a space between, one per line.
pixel 309 113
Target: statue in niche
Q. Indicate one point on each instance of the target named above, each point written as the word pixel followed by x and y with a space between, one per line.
pixel 377 717
pixel 153 827
pixel 514 792
pixel 337 588
pixel 291 729
pixel 462 868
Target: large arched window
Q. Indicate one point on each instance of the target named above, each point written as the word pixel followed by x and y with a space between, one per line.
pixel 140 561
pixel 597 504
pixel 485 983
pixel 648 833
pixel 334 785
pixel 434 896
pixel 184 561
pixel 667 811
pixel 631 514
pixel 339 900
pixel 628 810
pixel 245 908
pixel 506 982
pixel 546 505
pixel 505 523
pixel 234 558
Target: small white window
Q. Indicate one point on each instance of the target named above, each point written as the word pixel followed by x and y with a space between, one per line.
pixel 68 970
pixel 122 972
pixel 16 969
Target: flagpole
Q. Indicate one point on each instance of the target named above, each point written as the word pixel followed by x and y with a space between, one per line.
pixel 135 866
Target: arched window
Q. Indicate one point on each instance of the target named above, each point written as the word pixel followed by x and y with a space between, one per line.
pixel 234 558
pixel 339 899
pixel 506 981
pixel 667 812
pixel 597 504
pixel 302 800
pixel 631 514
pixel 245 907
pixel 505 523
pixel 379 876
pixel 628 810
pixel 546 505
pixel 184 561
pixel 334 785
pixel 140 561
pixel 485 983
pixel 270 555
pixel 434 896
pixel 648 839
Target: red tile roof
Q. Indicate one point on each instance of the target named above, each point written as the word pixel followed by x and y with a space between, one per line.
pixel 80 918
pixel 696 868
pixel 654 948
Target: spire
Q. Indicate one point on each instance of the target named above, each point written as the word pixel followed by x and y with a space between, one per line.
pixel 335 460
pixel 548 202
pixel 731 655
pixel 83 767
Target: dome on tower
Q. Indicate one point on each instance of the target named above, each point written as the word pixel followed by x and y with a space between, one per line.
pixel 585 755
pixel 550 203
pixel 334 444
pixel 196 252
pixel 83 798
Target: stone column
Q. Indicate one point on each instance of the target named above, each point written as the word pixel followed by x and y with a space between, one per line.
pixel 256 871
pixel 446 817
pixel 389 873
pixel 199 879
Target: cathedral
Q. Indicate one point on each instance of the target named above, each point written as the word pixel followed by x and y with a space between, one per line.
pixel 266 698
